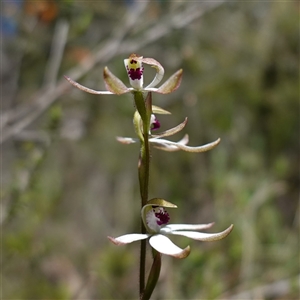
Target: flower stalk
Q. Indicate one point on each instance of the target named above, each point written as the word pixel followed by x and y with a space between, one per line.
pixel 144 109
pixel 155 225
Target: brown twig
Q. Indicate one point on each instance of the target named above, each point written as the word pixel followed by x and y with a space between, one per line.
pixel 22 116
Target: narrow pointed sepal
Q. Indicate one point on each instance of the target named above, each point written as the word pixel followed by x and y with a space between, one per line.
pixel 171 84
pixel 171 131
pixel 205 237
pixel 169 146
pixel 164 245
pixel 203 148
pixel 128 238
pixel 181 145
pixel 113 83
pixel 160 111
pixel 87 90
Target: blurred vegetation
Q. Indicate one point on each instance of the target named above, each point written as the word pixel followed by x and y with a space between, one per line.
pixel 67 183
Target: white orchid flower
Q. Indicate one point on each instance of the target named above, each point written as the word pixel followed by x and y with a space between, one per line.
pixel 156 218
pixel 157 139
pixel 135 70
pixel 170 146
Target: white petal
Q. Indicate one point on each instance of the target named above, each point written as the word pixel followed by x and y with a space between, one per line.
pixel 159 71
pixel 167 145
pixel 205 237
pixel 203 148
pixel 164 245
pixel 174 227
pixel 164 147
pixel 159 140
pixel 181 145
pixel 184 140
pixel 128 238
pixel 150 89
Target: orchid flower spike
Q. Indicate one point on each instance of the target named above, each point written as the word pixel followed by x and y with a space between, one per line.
pixel 156 219
pixel 135 70
pixel 157 140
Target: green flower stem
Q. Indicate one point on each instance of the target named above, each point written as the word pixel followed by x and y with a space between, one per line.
pixel 153 276
pixel 144 165
pixel 144 107
pixel 144 160
pixel 142 265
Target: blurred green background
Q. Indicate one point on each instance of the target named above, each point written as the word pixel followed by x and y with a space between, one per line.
pixel 66 183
